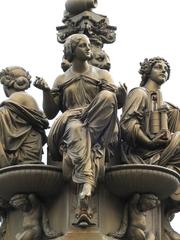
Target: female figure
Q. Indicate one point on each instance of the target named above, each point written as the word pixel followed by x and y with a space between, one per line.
pixel 150 127
pixel 89 100
pixel 22 124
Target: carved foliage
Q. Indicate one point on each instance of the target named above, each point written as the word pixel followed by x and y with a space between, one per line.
pixel 95 26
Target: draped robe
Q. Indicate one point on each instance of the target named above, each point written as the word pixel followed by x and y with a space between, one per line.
pixel 86 125
pixel 22 134
pixel 133 119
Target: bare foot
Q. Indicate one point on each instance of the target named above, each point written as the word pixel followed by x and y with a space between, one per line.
pixel 86 191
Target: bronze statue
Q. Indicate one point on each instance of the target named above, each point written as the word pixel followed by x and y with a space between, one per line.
pixel 89 101
pixel 138 206
pixel 30 207
pixel 134 222
pixel 150 127
pixel 99 59
pixel 22 124
pixel 35 222
pixel 116 188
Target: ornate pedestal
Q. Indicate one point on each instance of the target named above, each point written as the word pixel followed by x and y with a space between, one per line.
pixel 110 207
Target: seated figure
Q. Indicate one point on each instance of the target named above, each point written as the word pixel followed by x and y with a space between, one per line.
pixel 150 127
pixel 88 100
pixel 22 124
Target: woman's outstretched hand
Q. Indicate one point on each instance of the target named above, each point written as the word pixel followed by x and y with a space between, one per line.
pixel 41 84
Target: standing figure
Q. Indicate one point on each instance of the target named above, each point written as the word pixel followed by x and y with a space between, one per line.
pixel 150 127
pixel 89 100
pixel 22 124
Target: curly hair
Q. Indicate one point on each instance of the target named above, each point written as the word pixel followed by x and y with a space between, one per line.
pixel 15 77
pixel 70 45
pixel 147 66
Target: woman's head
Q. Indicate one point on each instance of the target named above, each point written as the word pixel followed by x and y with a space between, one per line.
pixel 146 67
pixel 16 78
pixel 72 42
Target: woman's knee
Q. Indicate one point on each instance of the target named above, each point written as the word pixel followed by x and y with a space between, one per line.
pixel 75 127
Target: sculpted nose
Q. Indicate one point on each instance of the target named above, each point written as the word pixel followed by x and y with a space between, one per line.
pixel 163 70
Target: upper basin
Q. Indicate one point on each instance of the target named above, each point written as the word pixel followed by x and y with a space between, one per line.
pixel 124 180
pixel 31 178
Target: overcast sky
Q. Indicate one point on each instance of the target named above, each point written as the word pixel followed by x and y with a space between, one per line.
pixel 146 28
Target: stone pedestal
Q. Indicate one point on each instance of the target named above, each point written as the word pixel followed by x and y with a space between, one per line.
pixel 109 205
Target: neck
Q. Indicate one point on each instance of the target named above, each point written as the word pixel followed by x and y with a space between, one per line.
pixel 152 86
pixel 80 66
pixel 9 91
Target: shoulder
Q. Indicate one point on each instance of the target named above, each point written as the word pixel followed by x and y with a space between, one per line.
pixel 62 78
pixel 59 80
pixel 137 96
pixel 24 99
pixel 103 74
pixel 139 91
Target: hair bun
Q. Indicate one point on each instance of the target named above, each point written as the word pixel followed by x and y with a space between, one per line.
pixel 15 77
pixel 21 83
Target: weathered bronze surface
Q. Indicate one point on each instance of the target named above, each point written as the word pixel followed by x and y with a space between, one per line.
pixel 105 179
pixel 150 127
pixel 22 124
pixel 79 18
pixel 124 180
pixel 41 179
pixel 89 101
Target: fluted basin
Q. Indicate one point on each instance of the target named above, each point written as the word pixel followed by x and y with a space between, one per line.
pixel 31 178
pixel 124 180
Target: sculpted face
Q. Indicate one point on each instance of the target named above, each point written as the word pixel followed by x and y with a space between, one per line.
pixel 159 72
pixel 83 49
pixel 100 59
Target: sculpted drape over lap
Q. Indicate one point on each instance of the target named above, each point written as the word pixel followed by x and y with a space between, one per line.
pixel 88 100
pixel 89 118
